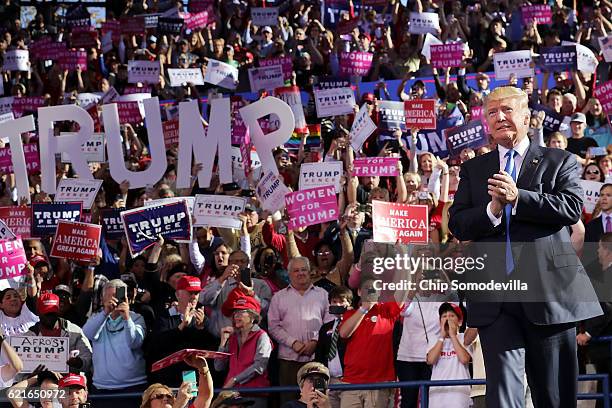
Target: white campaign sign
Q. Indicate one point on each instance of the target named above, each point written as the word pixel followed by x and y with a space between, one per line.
pixel 268 78
pixel 605 43
pixel 178 77
pixel 53 352
pixel 218 211
pixel 264 16
pixel 362 128
pixel 143 71
pixel 70 189
pixel 423 23
pixel 110 96
pixel 87 98
pixel 427 43
pixel 5 231
pixel 161 201
pixel 238 165
pixel 591 194
pixel 221 74
pixel 332 102
pixel 513 62
pixel 321 174
pixel 93 150
pixel 271 192
pixel 587 60
pixel 4 117
pixel 16 60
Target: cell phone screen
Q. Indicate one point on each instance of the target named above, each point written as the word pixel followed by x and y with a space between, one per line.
pixel 120 294
pixel 190 377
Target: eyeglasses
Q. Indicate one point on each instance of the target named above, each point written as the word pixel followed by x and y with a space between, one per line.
pixel 162 396
pixel 321 253
pixel 592 172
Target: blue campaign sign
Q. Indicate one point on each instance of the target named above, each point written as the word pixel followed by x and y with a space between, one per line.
pixel 143 225
pixel 552 120
pixel 46 216
pixel 471 136
pixel 112 225
pixel 558 59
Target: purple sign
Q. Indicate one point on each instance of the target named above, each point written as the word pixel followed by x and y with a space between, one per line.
pixel 46 216
pixel 471 136
pixel 112 225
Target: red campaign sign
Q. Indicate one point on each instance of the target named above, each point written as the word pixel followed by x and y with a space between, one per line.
pixel 238 127
pixel 446 55
pixel 132 25
pixel 76 240
pixel 171 133
pixel 197 20
pixel 71 59
pixel 32 159
pixel 128 112
pixel 286 64
pixel 93 112
pixel 18 219
pixel 395 222
pixel 604 94
pixel 347 26
pixel 420 114
pixel 25 104
pixel 83 37
pixel 541 12
pixel 179 356
pixel 114 26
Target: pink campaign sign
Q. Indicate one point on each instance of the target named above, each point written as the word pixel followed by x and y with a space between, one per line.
pixel 541 12
pixel 355 63
pixel 128 112
pixel 239 129
pixel 32 159
pixel 477 113
pixel 375 166
pixel 604 94
pixel 446 55
pixel 197 20
pixel 25 104
pixel 71 59
pixel 311 206
pixel 285 63
pixel 12 258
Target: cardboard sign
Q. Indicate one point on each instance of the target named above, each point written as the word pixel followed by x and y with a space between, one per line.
pixel 239 129
pixel 221 74
pixel 112 225
pixel 427 43
pixel 189 200
pixel 5 231
pixel 420 114
pixel 195 21
pixel 12 258
pixel 321 174
pixel 53 352
pixel 171 133
pixel 591 194
pixel 18 219
pixel 471 135
pixel 291 96
pixel 77 241
pixel 71 189
pixel 355 63
pixel 558 59
pixel 363 126
pixel 218 211
pixel 376 166
pixel 32 159
pixel 143 71
pixel 94 149
pixel 85 99
pixel 267 78
pixel 334 102
pixel 605 44
pixel 73 59
pixel 46 216
pixel 542 13
pixel 285 62
pixel 179 356
pixel 143 225
pixel 423 23
pixel 16 60
pixel 603 92
pixel 169 25
pixel 395 222
pixel 264 16
pixel 84 37
pixel 447 55
pixel 477 113
pixel 587 60
pixel 129 112
pixel 392 115
pixel 178 77
pixel 271 192
pixel 311 207
pixel 513 62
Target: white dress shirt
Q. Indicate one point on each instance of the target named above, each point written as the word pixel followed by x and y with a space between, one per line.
pixel 521 150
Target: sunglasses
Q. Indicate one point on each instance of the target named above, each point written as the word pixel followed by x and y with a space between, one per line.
pixel 162 396
pixel 321 253
pixel 592 172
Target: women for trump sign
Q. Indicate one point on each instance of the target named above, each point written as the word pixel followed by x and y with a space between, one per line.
pixel 312 206
pixel 12 258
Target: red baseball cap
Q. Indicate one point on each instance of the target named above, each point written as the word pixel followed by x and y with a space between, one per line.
pixel 238 300
pixel 36 260
pixel 48 303
pixel 447 306
pixel 189 283
pixel 73 380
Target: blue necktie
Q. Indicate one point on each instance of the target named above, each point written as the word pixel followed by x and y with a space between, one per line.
pixel 511 170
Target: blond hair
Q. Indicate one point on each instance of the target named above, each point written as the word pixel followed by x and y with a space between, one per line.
pixel 148 393
pixel 504 92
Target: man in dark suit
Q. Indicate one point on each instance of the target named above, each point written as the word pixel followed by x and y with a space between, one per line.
pixel 595 229
pixel 519 217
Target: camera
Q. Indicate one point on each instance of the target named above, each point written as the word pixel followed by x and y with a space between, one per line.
pixel 319 384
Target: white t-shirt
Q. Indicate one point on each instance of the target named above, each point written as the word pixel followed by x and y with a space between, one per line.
pixel 448 367
pixel 14 326
pixel 413 345
pixel 5 382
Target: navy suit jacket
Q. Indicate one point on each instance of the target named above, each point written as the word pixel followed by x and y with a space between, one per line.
pixel 549 200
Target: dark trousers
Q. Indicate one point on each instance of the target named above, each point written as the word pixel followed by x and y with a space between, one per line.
pixel 512 345
pixel 117 402
pixel 601 360
pixel 411 371
pixel 287 375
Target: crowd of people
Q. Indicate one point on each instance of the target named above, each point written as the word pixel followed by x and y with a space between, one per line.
pixel 303 316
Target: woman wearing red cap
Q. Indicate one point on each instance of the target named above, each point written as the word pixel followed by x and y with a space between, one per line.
pixel 249 345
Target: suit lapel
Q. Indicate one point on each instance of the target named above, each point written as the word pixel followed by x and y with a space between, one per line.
pixel 533 158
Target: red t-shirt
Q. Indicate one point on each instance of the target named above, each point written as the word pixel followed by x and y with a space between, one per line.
pixel 369 351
